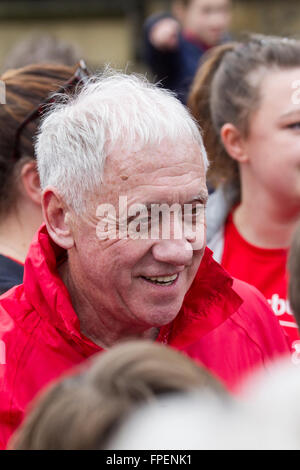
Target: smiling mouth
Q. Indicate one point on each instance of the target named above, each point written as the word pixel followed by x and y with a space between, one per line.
pixel 162 280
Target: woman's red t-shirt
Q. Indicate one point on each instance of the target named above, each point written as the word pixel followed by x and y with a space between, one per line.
pixel 263 268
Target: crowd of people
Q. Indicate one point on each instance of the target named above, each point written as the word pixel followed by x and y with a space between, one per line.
pixel 150 244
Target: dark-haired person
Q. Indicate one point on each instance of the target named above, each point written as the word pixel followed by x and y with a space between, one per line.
pixel 174 43
pixel 20 195
pixel 245 97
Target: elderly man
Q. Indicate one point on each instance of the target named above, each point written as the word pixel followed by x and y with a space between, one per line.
pixel 122 169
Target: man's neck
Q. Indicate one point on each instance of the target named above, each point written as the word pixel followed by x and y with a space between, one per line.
pixel 96 323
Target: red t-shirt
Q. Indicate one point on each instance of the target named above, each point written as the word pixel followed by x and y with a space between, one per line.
pixel 263 268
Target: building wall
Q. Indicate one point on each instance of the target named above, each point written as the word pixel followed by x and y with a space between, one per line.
pixel 111 40
pixel 101 41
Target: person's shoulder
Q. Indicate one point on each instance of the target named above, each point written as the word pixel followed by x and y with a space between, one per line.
pixel 252 297
pixel 18 323
pixel 257 318
pixel 12 346
pixel 13 305
pixel 231 328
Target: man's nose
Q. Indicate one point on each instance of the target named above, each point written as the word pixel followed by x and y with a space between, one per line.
pixel 176 252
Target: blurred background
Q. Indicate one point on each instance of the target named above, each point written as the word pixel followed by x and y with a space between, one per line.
pixel 109 31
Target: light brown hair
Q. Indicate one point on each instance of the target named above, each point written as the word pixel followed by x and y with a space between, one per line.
pixel 26 88
pixel 226 89
pixel 84 410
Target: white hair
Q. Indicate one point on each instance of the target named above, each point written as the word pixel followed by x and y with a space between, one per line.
pixel 112 109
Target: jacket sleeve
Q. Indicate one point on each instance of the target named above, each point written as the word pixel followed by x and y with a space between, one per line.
pixel 248 340
pixel 163 64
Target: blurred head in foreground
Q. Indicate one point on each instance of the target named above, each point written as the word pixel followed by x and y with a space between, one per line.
pixel 84 410
pixel 265 417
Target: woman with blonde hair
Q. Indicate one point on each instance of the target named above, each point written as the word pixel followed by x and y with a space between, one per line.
pixel 245 97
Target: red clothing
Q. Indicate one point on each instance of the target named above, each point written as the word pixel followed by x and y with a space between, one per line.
pixel 194 39
pixel 230 330
pixel 263 268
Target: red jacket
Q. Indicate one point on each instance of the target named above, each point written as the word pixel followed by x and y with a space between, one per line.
pixel 224 323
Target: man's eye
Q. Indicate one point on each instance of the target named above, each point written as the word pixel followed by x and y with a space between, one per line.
pixel 294 125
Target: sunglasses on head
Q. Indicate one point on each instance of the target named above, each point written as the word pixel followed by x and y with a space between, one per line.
pixel 81 74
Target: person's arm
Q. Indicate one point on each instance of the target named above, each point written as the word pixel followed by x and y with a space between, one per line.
pixel 161 46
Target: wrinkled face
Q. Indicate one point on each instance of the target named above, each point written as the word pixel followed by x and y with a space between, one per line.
pixel 273 143
pixel 139 280
pixel 208 19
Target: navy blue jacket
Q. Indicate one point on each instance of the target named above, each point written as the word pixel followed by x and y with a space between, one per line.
pixel 174 69
pixel 11 273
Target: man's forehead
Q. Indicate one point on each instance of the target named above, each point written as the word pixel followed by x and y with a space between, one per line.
pixel 155 174
pixel 162 155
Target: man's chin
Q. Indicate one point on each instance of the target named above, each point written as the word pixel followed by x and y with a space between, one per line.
pixel 162 317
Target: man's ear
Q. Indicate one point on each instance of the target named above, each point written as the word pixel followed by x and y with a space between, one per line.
pixel 234 143
pixel 57 217
pixel 31 182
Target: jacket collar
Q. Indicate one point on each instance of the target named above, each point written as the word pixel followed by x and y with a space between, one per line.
pixel 209 301
pixel 207 304
pixel 46 291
